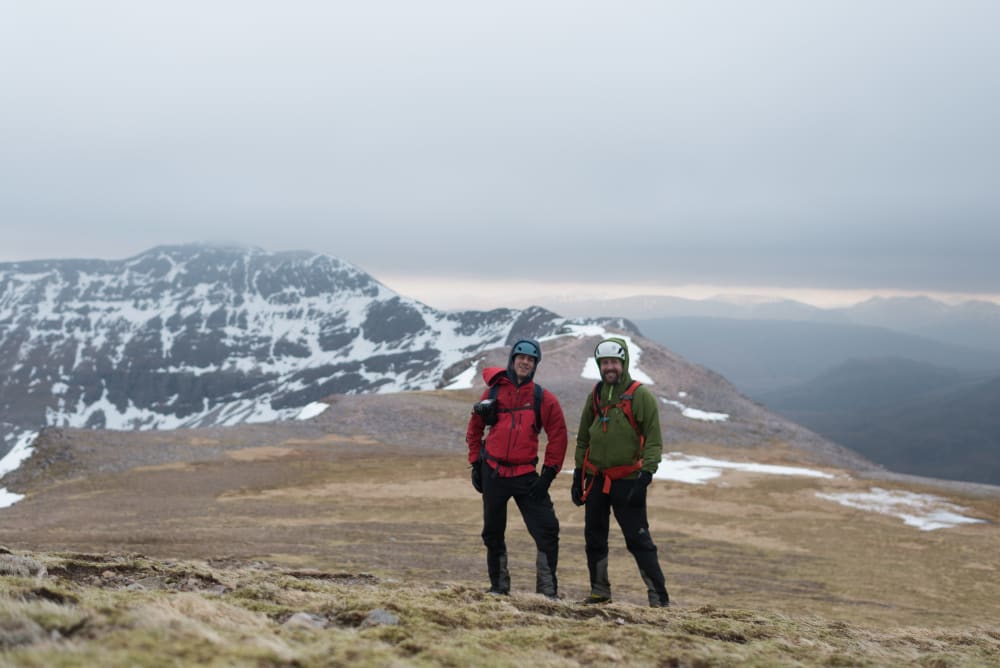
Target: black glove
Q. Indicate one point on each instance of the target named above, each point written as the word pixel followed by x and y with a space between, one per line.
pixel 637 495
pixel 476 471
pixel 576 490
pixel 540 488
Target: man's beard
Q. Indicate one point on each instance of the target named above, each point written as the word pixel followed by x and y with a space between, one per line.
pixel 611 377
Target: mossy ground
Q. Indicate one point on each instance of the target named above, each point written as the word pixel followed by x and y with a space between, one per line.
pixel 85 612
pixel 275 553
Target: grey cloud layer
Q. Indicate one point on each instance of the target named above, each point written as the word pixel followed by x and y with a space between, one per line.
pixel 825 143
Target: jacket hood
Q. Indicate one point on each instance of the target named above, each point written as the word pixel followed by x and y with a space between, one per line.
pixel 513 351
pixel 626 378
pixel 493 374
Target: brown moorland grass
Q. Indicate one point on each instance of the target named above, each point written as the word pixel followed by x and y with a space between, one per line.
pixel 128 610
pixel 749 540
pixel 272 545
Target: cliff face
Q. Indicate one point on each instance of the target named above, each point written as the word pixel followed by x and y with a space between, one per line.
pixel 192 335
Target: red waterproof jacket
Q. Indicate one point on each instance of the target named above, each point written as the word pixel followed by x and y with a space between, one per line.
pixel 512 443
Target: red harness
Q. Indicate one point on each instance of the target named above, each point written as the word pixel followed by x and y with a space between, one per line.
pixel 615 472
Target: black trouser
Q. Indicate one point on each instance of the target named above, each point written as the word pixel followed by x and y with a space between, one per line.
pixel 540 518
pixel 635 528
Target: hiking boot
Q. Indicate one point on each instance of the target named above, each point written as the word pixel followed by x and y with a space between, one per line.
pixel 496 565
pixel 546 582
pixel 595 599
pixel 659 599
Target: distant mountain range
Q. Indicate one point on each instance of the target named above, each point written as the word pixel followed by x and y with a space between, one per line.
pixel 971 324
pixel 764 355
pixel 185 336
pixel 908 402
pixel 196 336
pixel 909 416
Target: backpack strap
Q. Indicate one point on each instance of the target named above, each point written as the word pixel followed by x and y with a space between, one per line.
pixel 539 395
pixel 624 402
pixel 537 426
pixel 615 472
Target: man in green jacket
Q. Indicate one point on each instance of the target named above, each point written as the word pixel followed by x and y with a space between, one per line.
pixel 618 448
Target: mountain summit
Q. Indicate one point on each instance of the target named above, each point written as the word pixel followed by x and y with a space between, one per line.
pixel 183 336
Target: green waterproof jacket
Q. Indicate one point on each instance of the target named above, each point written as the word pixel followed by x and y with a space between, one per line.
pixel 619 445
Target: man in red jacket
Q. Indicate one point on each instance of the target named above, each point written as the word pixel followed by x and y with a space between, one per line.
pixel 503 465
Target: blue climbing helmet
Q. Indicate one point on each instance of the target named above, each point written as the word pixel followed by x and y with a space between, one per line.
pixel 528 347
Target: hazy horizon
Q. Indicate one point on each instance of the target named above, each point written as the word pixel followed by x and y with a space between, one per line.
pixel 469 293
pixel 828 149
pixel 473 293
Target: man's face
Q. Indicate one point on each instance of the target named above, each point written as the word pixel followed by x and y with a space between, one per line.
pixel 523 366
pixel 611 369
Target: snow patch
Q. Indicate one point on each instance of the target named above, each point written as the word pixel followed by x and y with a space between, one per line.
pixel 22 450
pixel 311 410
pixel 8 499
pixel 923 511
pixel 465 379
pixel 696 414
pixel 579 331
pixel 697 470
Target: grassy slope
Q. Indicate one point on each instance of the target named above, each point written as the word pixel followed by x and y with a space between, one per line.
pixel 126 610
pixel 241 537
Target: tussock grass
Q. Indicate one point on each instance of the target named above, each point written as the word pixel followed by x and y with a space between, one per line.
pixel 94 610
pixel 13 564
pixel 327 559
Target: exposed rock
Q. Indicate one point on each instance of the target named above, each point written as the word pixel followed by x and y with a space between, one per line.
pixel 305 620
pixel 379 617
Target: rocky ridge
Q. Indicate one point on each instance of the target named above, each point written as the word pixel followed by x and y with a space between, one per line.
pixel 188 336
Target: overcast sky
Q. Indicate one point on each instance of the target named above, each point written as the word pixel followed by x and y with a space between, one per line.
pixel 828 144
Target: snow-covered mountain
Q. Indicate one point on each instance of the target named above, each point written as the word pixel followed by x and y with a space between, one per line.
pixel 194 335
